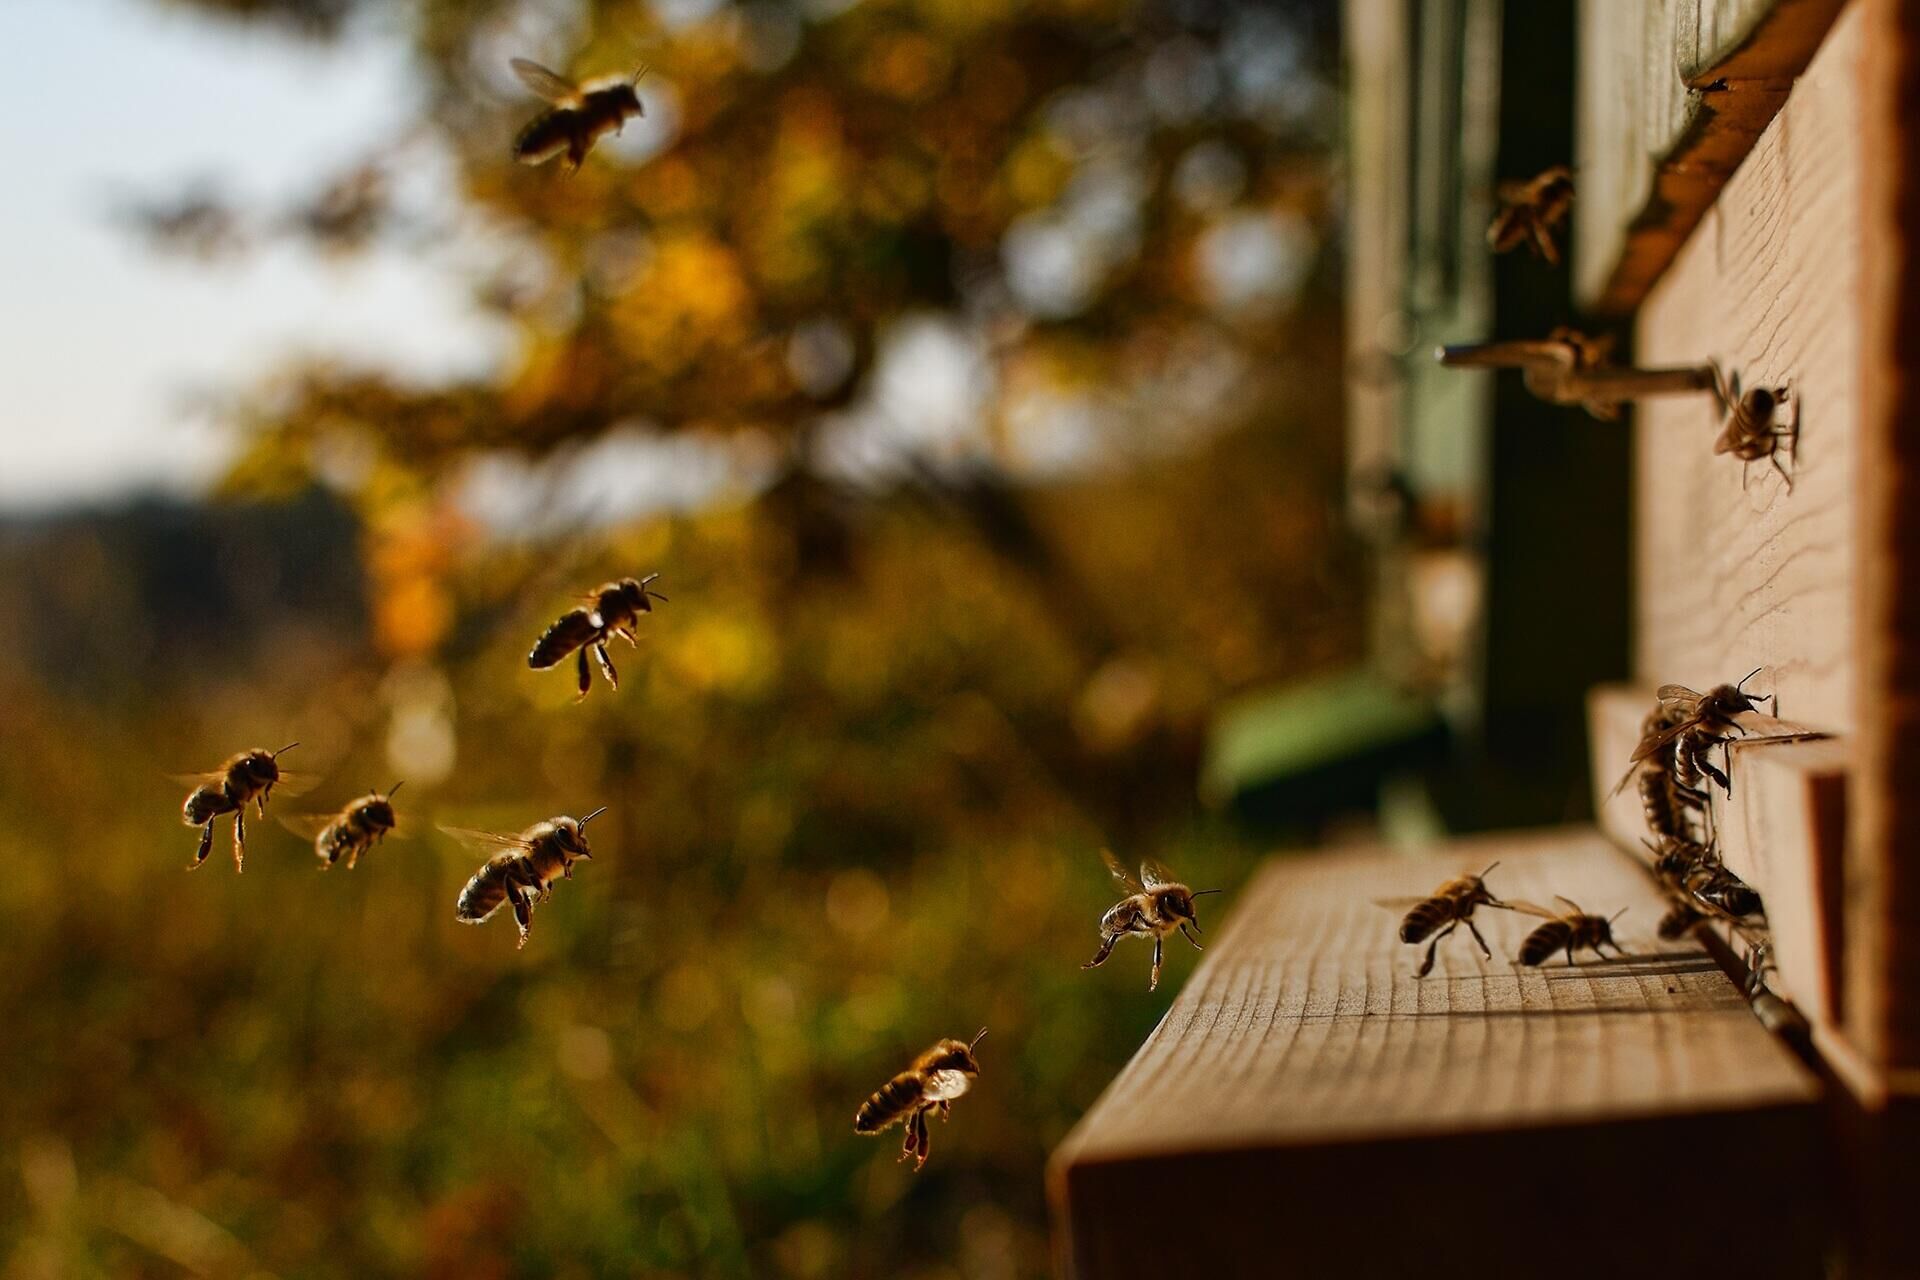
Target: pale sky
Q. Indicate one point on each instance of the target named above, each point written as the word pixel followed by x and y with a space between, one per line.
pixel 102 341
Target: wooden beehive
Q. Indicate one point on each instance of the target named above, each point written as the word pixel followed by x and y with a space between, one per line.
pixel 1750 178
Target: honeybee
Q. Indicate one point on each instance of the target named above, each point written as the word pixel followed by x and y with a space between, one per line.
pixel 579 117
pixel 1569 930
pixel 1674 808
pixel 1693 724
pixel 1749 429
pixel 935 1079
pixel 1530 210
pixel 247 777
pixel 1452 905
pixel 615 610
pixel 350 832
pixel 522 869
pixel 1156 904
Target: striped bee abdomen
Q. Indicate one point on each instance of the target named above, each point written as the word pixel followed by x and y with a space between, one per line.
pixel 572 629
pixel 204 805
pixel 1669 803
pixel 546 136
pixel 891 1102
pixel 484 893
pixel 1550 937
pixel 1418 924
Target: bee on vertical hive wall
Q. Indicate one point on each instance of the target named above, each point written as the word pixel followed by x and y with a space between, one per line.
pixel 1692 724
pixel 344 836
pixel 935 1079
pixel 523 868
pixel 247 778
pixel 1750 427
pixel 1451 905
pixel 614 610
pixel 1530 210
pixel 1155 906
pixel 1568 931
pixel 579 116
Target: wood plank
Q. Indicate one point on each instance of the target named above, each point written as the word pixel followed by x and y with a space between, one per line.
pixel 1734 576
pixel 1306 1088
pixel 1673 95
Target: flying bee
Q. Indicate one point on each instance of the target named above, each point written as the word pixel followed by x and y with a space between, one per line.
pixel 1693 724
pixel 579 117
pixel 935 1079
pixel 1156 904
pixel 1530 210
pixel 1569 930
pixel 349 833
pixel 523 868
pixel 1749 429
pixel 1452 905
pixel 615 611
pixel 249 777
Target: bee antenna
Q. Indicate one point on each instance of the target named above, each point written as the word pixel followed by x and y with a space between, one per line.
pixel 1490 866
pixel 1750 675
pixel 644 68
pixel 590 817
pixel 1616 915
pixel 396 786
pixel 977 1039
pixel 282 751
pixel 1201 893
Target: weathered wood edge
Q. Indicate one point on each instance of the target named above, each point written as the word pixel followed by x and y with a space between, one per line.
pixel 1735 91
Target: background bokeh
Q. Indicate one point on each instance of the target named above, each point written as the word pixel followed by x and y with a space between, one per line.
pixel 970 371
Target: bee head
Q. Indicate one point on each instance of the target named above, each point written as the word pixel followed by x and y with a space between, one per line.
pixel 1605 927
pixel 1731 699
pixel 261 766
pixel 627 97
pixel 377 809
pixel 573 834
pixel 957 1055
pixel 1482 894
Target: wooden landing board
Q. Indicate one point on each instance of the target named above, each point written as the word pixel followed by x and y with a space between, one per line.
pixel 1732 575
pixel 1310 1108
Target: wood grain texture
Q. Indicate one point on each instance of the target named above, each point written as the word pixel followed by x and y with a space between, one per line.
pixel 1673 95
pixel 1309 1107
pixel 1733 577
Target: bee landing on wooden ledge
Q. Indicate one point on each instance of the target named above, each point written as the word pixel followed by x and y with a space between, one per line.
pixel 1749 425
pixel 1155 906
pixel 1452 905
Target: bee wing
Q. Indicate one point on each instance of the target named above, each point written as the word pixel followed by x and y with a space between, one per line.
pixel 1654 741
pixel 551 85
pixel 1128 881
pixel 307 826
pixel 1680 696
pixel 487 842
pixel 211 777
pixel 1399 904
pixel 1154 873
pixel 1532 909
pixel 295 784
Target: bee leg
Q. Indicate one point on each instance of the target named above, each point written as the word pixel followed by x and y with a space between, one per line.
pixel 1190 938
pixel 1474 929
pixel 1570 961
pixel 240 838
pixel 585 676
pixel 1784 474
pixel 522 913
pixel 605 660
pixel 1426 964
pixel 1153 983
pixel 1106 949
pixel 919 1123
pixel 910 1142
pixel 206 847
pixel 946 1109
